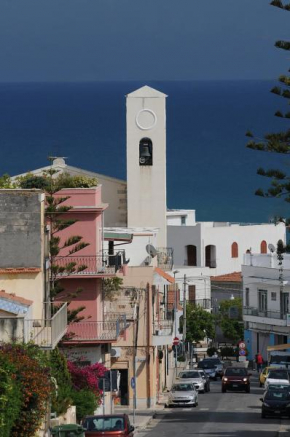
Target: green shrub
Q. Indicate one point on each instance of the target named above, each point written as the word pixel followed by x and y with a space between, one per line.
pixel 86 403
pixel 227 351
pixel 181 358
pixel 211 351
pixel 61 398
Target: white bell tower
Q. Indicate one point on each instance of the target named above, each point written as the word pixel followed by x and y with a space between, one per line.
pixel 146 160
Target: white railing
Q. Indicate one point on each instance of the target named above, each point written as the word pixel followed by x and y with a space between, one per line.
pixel 46 333
pixel 163 327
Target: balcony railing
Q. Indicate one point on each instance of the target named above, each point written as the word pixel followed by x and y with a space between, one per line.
pixel 251 311
pixel 165 258
pixel 163 327
pixel 46 333
pixel 88 265
pixel 203 303
pixel 95 331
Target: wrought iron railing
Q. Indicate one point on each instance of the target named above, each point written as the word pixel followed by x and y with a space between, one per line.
pixel 88 265
pixel 252 311
pixel 94 331
pixel 163 327
pixel 46 333
pixel 203 303
pixel 165 258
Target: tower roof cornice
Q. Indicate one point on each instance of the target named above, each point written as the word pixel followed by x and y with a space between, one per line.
pixel 146 91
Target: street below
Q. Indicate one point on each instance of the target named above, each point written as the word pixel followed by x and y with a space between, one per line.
pixel 230 414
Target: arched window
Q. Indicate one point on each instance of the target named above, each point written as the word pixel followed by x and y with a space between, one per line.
pixel 235 250
pixel 191 255
pixel 210 256
pixel 263 246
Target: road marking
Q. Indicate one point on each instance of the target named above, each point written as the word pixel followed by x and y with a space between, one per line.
pixel 203 409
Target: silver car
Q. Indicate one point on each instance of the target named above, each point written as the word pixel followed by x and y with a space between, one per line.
pixel 193 377
pixel 182 394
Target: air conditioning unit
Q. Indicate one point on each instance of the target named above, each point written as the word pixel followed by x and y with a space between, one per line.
pixel 115 352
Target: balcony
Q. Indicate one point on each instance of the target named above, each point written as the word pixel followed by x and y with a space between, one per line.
pixel 95 332
pixel 203 303
pixel 83 266
pixel 46 333
pixel 165 258
pixel 162 332
pixel 252 314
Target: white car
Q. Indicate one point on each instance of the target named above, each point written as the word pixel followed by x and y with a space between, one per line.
pixel 182 394
pixel 277 377
pixel 192 377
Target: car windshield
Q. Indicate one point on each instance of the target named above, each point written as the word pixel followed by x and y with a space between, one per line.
pixel 274 395
pixel 104 423
pixel 213 360
pixel 236 372
pixel 183 387
pixel 275 374
pixel 185 375
pixel 203 365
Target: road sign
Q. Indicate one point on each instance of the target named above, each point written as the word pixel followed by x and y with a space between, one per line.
pixel 242 345
pixel 175 341
pixel 133 383
pixel 242 352
pixel 242 359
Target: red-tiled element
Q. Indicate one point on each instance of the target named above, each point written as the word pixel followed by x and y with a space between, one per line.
pixel 164 275
pixel 229 277
pixel 15 298
pixel 20 270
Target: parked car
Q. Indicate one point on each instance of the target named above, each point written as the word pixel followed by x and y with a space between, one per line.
pixel 108 426
pixel 236 378
pixel 206 379
pixel 193 377
pixel 209 368
pixel 68 431
pixel 277 377
pixel 276 402
pixel 182 394
pixel 219 366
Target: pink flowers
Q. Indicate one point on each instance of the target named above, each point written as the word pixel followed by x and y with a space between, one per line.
pixel 86 377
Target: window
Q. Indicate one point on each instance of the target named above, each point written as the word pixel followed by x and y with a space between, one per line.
pixel 191 255
pixel 285 303
pixel 247 297
pixel 273 295
pixel 183 220
pixel 191 294
pixel 263 246
pixel 263 304
pixel 235 250
pixel 210 256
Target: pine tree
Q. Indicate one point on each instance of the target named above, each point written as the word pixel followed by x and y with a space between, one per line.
pixel 276 142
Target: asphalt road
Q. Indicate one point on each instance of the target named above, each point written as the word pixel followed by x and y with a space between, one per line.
pixel 230 414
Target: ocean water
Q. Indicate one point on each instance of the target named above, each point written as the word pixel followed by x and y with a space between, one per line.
pixel 209 167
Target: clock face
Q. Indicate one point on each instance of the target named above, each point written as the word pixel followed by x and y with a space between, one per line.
pixel 146 119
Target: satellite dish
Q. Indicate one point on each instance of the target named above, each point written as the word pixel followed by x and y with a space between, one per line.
pixel 271 247
pixel 151 250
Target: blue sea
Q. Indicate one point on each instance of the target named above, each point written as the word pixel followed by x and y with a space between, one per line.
pixel 209 167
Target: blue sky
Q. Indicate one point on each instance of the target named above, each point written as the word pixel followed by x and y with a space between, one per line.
pixel 84 40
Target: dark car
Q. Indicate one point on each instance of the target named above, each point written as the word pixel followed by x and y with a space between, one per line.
pixel 276 403
pixel 217 363
pixel 236 378
pixel 206 379
pixel 209 368
pixel 108 426
pixel 68 431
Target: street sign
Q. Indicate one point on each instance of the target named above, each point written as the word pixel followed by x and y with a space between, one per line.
pixel 133 383
pixel 176 341
pixel 242 352
pixel 242 345
pixel 242 358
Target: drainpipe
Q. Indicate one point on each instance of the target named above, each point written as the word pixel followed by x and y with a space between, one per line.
pixel 148 379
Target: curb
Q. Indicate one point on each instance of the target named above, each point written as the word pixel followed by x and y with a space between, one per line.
pixel 145 423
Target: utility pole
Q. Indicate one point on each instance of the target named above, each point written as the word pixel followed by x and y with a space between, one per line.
pixel 175 317
pixel 184 313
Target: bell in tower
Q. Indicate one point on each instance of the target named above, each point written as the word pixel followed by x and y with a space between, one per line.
pixel 145 152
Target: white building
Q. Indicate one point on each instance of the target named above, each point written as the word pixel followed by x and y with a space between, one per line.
pixel 266 287
pixel 218 246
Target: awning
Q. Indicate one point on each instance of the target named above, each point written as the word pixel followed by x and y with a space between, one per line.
pixel 115 236
pixel 278 347
pixel 164 275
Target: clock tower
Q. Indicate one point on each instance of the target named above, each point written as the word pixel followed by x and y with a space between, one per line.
pixel 146 160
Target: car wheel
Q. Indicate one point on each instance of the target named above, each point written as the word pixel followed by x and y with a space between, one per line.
pixel 215 378
pixel 261 385
pixel 248 390
pixel 224 390
pixel 263 415
pixel 202 391
pixel 208 389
